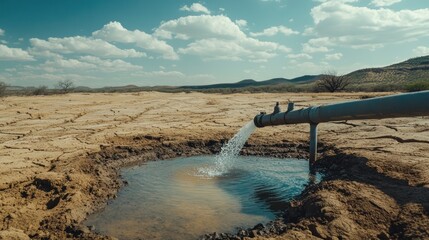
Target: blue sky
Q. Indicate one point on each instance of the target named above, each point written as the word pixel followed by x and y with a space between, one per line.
pixel 175 42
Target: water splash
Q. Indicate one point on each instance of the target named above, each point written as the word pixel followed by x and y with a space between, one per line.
pixel 224 161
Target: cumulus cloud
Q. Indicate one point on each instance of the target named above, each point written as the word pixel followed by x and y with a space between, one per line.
pixel 162 73
pixel 58 65
pixel 88 63
pixel 14 54
pixel 1 32
pixel 300 56
pixel 421 51
pixel 195 7
pixel 334 56
pixel 317 45
pixel 83 45
pixel 241 22
pixel 217 38
pixel 217 49
pixel 272 31
pixel 115 32
pixel 110 65
pixel 384 3
pixel 306 67
pixel 363 27
pixel 205 26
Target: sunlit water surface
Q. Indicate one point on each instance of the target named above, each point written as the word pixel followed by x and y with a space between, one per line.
pixel 174 200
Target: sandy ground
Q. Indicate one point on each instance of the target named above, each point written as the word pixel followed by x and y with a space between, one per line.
pixel 59 157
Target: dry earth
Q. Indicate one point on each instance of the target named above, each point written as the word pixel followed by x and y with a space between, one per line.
pixel 60 155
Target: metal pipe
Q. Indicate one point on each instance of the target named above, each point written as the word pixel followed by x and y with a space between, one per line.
pixel 313 145
pixel 400 105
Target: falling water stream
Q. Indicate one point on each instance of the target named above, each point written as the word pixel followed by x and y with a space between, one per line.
pixel 188 197
pixel 225 160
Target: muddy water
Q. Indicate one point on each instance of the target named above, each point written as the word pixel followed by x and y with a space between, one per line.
pixel 172 200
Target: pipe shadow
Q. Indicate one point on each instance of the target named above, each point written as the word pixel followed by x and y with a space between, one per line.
pixel 355 168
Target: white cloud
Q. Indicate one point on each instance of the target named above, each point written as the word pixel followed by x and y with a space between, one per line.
pixel 238 50
pixel 274 31
pixel 218 38
pixel 363 27
pixel 216 49
pixel 82 45
pixel 300 56
pixel 308 48
pixel 60 64
pixel 14 54
pixel 195 7
pixel 334 56
pixel 384 3
pixel 44 53
pixel 173 78
pixel 306 68
pixel 317 45
pixel 172 74
pixel 204 26
pixel 115 32
pixel 87 63
pixel 421 51
pixel 110 65
pixel 34 78
pixel 2 32
pixel 241 22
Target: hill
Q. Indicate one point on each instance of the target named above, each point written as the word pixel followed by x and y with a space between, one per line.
pixel 411 70
pixel 410 75
pixel 397 76
pixel 252 83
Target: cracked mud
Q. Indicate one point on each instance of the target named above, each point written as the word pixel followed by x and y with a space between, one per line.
pixel 60 157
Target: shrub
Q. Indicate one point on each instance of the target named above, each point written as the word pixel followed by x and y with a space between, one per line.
pixel 41 90
pixel 418 86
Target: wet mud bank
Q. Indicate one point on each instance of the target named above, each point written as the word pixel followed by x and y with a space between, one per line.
pixel 356 199
pixel 145 148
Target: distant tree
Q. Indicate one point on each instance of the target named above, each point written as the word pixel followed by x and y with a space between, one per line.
pixel 41 90
pixel 3 87
pixel 332 82
pixel 65 86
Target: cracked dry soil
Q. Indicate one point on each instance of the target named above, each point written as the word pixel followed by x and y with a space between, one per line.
pixel 60 156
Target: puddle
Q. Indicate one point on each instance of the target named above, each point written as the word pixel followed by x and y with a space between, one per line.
pixel 173 200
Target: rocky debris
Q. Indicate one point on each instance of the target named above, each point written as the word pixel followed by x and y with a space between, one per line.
pixel 272 228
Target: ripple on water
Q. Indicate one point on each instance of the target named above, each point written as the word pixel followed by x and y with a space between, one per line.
pixel 174 200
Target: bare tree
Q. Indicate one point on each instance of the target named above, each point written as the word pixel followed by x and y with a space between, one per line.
pixel 332 82
pixel 65 86
pixel 3 87
pixel 41 90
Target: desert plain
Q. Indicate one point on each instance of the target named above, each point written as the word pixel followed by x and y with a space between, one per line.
pixel 60 157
